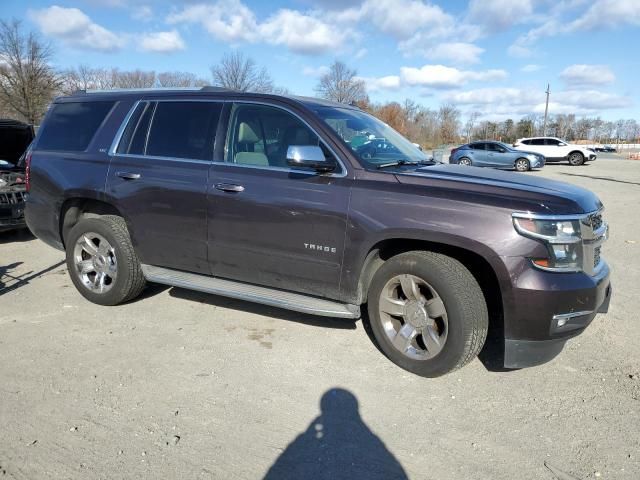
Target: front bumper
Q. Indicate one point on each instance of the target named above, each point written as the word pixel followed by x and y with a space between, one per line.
pixel 592 157
pixel 546 309
pixel 11 212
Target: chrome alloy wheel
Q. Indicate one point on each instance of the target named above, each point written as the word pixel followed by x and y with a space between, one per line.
pixel 95 262
pixel 522 165
pixel 414 317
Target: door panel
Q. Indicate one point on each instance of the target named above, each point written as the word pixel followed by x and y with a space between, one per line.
pixel 269 224
pixel 164 198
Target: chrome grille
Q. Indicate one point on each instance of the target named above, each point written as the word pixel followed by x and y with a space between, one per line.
pixel 12 198
pixel 594 233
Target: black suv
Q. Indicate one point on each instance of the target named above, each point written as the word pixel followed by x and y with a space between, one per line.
pixel 289 201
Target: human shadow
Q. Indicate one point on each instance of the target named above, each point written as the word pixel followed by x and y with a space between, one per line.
pixel 23 279
pixel 337 445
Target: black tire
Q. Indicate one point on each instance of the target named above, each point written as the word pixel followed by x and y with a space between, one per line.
pixel 522 165
pixel 129 281
pixel 465 161
pixel 576 159
pixel 463 300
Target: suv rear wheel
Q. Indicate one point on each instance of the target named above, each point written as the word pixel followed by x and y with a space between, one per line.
pixel 465 161
pixel 427 313
pixel 102 262
pixel 576 159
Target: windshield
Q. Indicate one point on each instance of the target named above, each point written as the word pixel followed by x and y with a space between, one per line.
pixel 508 148
pixel 374 142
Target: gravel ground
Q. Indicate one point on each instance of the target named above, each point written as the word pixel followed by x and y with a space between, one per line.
pixel 185 385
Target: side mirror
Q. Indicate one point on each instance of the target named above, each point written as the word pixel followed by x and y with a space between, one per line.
pixel 309 156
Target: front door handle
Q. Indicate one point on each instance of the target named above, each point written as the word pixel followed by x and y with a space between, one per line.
pixel 128 175
pixel 229 187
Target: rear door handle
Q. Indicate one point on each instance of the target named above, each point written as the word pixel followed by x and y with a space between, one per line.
pixel 128 175
pixel 229 187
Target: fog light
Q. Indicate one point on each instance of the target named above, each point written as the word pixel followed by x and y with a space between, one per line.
pixel 562 322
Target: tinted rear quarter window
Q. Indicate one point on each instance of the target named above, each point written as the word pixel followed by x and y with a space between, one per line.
pixel 134 136
pixel 183 130
pixel 70 126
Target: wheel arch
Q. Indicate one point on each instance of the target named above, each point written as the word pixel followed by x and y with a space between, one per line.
pixel 483 270
pixel 75 208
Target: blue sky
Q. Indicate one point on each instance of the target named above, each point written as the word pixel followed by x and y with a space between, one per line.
pixel 491 56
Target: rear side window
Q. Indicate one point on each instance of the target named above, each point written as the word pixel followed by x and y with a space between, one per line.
pixel 477 146
pixel 71 126
pixel 172 129
pixel 536 141
pixel 183 130
pixel 134 137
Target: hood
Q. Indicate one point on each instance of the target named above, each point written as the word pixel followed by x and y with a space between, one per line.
pixel 517 191
pixel 15 137
pixel 526 152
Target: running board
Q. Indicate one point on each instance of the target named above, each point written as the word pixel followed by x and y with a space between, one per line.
pixel 251 293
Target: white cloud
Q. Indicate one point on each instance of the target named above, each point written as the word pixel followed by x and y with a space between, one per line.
pixel 505 102
pixel 301 33
pixel 360 53
pixel 75 28
pixel 232 21
pixel 315 71
pixel 456 52
pixel 531 68
pixel 601 14
pixel 499 14
pixel 374 84
pixel 402 18
pixel 162 42
pixel 143 13
pixel 440 76
pixel 227 20
pixel 587 75
pixel 608 14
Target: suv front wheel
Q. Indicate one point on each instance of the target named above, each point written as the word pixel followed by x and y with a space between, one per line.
pixel 102 262
pixel 427 313
pixel 576 159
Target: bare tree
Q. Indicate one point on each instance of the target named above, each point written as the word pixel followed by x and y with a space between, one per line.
pixel 27 81
pixel 136 79
pixel 473 116
pixel 449 117
pixel 341 84
pixel 236 72
pixel 86 78
pixel 179 79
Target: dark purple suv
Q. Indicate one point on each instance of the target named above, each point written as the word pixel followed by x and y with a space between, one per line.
pixel 320 208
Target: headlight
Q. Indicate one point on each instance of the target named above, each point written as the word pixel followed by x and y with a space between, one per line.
pixel 562 237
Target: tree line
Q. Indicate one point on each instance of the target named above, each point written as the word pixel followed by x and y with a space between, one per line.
pixel 28 83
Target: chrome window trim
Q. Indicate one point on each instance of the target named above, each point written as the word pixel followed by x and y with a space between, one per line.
pixel 118 137
pixel 121 129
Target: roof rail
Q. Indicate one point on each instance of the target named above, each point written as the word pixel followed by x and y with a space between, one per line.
pixel 211 88
pixel 206 88
pixel 148 89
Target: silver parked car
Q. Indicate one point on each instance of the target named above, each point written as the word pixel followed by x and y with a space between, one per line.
pixel 489 153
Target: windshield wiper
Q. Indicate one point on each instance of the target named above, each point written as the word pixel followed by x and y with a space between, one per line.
pixel 399 163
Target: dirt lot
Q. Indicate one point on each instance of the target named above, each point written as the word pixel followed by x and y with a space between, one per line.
pixel 186 385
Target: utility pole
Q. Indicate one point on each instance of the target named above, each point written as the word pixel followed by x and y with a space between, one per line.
pixel 546 110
